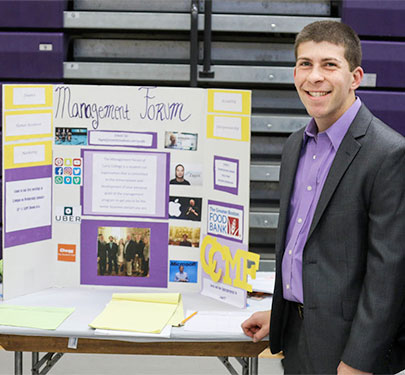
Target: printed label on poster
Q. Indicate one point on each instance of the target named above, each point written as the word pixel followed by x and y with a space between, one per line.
pixel 28 95
pixel 225 221
pixel 29 154
pixel 124 183
pixel 225 173
pixel 225 293
pixel 228 127
pixel 226 101
pixel 28 204
pixel 128 139
pixel 28 124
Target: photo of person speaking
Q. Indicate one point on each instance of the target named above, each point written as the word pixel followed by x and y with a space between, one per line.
pixel 183 271
pixel 184 236
pixel 185 208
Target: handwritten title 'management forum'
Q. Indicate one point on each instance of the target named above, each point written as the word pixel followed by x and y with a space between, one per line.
pixel 151 108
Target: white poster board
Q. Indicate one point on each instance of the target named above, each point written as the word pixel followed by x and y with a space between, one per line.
pixel 114 185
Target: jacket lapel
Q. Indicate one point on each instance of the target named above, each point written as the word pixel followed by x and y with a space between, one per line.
pixel 346 153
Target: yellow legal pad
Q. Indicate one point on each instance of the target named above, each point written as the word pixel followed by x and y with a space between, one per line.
pixel 141 312
pixel 33 317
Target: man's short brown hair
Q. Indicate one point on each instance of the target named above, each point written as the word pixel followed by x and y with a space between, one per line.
pixel 336 33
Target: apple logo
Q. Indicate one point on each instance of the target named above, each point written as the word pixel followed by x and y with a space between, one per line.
pixel 174 208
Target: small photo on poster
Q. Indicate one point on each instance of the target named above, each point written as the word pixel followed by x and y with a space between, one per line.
pixel 185 174
pixel 184 236
pixel 181 141
pixel 123 251
pixel 185 208
pixel 70 136
pixel 183 271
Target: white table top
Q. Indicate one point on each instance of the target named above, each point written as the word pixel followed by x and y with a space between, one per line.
pixel 90 301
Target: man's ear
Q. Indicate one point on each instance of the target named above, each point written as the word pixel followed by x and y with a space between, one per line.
pixel 357 75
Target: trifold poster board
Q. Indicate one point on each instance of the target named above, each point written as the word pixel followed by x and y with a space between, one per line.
pixel 118 185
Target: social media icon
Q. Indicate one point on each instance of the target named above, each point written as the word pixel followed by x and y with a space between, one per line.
pixel 77 162
pixel 67 180
pixel 77 180
pixel 68 162
pixel 58 180
pixel 58 162
pixel 67 171
pixel 68 211
pixel 58 171
pixel 77 171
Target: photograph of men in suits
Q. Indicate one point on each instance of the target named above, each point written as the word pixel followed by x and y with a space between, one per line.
pixel 101 254
pixel 339 297
pixel 129 250
pixel 112 251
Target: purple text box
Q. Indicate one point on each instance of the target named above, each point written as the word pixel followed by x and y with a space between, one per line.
pixel 122 134
pixel 162 183
pixel 228 189
pixel 21 237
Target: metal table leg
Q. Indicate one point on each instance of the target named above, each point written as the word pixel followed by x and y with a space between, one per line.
pixel 35 359
pixel 254 366
pixel 18 363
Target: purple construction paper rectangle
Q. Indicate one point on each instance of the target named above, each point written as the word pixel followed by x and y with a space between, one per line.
pixel 152 146
pixel 162 200
pixel 227 189
pixel 159 234
pixel 227 205
pixel 25 236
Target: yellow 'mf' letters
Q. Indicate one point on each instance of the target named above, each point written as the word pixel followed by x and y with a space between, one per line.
pixel 240 261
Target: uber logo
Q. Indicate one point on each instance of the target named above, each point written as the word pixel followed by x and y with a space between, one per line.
pixel 68 211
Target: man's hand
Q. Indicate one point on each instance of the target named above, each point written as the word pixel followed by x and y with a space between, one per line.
pixel 344 369
pixel 258 325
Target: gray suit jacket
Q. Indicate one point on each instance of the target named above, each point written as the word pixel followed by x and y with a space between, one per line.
pixel 354 257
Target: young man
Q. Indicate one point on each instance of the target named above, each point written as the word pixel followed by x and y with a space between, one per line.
pixel 179 176
pixel 339 299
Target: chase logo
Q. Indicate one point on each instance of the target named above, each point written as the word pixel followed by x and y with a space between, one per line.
pixel 67 180
pixel 68 211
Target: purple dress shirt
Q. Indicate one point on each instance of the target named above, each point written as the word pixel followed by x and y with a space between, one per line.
pixel 317 154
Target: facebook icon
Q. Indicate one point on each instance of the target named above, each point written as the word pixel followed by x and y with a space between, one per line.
pixel 58 171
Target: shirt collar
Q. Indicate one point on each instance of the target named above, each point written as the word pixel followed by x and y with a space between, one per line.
pixel 338 130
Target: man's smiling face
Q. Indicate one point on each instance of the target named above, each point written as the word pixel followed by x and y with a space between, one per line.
pixel 324 81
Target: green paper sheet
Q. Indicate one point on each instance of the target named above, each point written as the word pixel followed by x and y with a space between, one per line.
pixel 33 317
pixel 141 312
